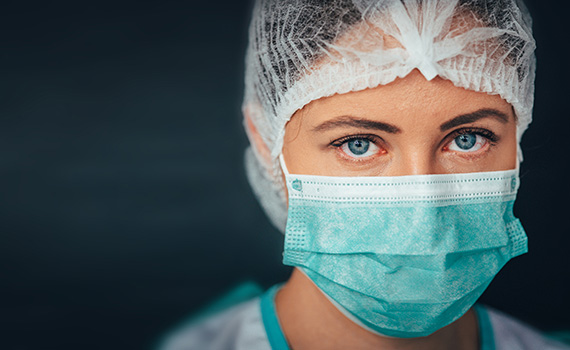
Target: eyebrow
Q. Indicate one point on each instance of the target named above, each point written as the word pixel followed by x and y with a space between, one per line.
pixel 474 116
pixel 344 121
pixel 348 121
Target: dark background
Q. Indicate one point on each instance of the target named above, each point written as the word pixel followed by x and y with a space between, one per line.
pixel 124 201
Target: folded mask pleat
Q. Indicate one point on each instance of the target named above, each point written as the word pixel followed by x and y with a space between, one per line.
pixel 403 256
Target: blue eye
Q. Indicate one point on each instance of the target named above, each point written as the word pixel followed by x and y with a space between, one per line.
pixel 468 143
pixel 359 146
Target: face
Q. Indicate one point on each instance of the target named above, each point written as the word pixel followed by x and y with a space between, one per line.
pixel 409 127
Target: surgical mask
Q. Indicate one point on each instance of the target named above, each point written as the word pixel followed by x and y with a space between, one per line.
pixel 402 256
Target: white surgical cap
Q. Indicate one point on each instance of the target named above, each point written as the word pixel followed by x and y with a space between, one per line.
pixel 303 50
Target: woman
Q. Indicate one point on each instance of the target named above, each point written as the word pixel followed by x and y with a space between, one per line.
pixel 385 143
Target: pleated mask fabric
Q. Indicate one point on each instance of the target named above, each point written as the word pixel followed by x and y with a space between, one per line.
pixel 403 256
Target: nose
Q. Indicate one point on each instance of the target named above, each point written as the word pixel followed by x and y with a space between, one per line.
pixel 413 162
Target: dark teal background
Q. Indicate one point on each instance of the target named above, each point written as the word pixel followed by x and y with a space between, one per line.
pixel 124 204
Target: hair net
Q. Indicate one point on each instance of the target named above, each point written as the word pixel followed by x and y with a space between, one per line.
pixel 303 50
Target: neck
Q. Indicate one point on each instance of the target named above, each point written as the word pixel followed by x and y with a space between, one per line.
pixel 310 321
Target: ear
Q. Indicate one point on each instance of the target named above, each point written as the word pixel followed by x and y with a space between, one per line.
pixel 260 148
pixel 257 142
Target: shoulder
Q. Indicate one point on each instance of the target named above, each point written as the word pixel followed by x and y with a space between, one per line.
pixel 512 334
pixel 237 328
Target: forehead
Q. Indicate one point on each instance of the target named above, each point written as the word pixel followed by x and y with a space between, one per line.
pixel 410 97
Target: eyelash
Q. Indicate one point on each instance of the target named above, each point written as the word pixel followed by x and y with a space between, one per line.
pixel 342 141
pixel 375 142
pixel 487 134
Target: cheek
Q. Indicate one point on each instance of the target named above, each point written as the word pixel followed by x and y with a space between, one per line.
pixel 294 148
pixel 508 159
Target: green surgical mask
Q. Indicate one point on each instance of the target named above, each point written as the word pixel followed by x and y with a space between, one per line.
pixel 403 256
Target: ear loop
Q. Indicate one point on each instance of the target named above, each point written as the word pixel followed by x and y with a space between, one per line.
pixel 283 166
